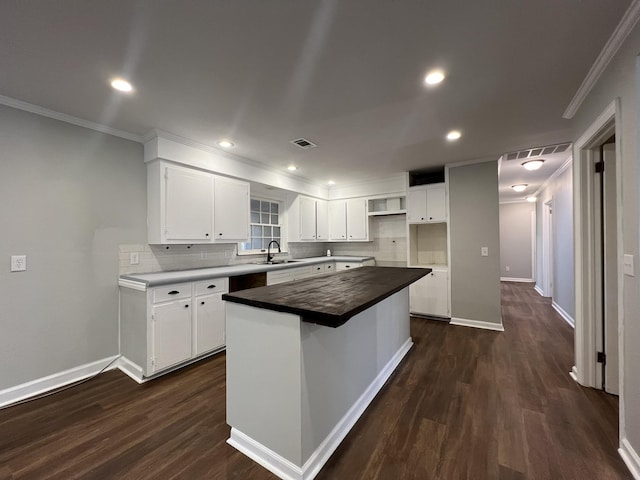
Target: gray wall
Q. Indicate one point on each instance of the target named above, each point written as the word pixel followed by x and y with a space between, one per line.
pixel 474 223
pixel 560 192
pixel 516 250
pixel 619 80
pixel 68 197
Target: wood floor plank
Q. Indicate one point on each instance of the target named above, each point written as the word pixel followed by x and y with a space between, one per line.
pixel 464 404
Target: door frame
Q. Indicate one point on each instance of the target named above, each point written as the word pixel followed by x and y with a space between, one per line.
pixel 547 248
pixel 586 151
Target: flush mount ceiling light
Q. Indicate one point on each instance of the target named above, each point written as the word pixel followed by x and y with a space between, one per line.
pixel 434 77
pixel 121 85
pixel 521 187
pixel 225 144
pixel 292 168
pixel 331 183
pixel 530 199
pixel 453 135
pixel 533 164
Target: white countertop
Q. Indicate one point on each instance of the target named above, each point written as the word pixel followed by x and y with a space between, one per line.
pixel 196 274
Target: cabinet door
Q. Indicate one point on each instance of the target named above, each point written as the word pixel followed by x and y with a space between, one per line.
pixel 337 220
pixel 188 203
pixel 357 220
pixel 209 325
pixel 436 204
pixel 429 295
pixel 417 206
pixel 322 220
pixel 307 218
pixel 231 209
pixel 171 334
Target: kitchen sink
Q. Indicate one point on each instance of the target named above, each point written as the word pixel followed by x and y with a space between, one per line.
pixel 277 262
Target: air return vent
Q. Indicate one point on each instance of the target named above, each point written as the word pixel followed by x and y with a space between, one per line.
pixel 536 152
pixel 304 143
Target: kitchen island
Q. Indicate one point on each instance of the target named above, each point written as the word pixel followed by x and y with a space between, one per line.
pixel 305 359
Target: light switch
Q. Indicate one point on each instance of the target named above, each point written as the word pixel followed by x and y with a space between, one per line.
pixel 134 258
pixel 484 251
pixel 18 263
pixel 628 267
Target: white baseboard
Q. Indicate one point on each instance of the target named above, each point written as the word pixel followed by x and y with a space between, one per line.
pixel 539 290
pixel 565 316
pixel 574 374
pixel 465 322
pixel 630 457
pixel 513 279
pixel 131 369
pixel 287 470
pixel 52 382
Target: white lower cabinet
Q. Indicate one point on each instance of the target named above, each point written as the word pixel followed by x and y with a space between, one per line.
pixel 162 327
pixel 430 294
pixel 340 266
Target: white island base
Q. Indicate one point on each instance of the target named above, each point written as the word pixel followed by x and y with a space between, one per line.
pixel 295 389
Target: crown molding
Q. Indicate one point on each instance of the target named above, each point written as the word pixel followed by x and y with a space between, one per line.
pixel 555 174
pixel 620 34
pixel 63 117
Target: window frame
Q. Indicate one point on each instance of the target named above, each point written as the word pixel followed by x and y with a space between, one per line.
pixel 281 224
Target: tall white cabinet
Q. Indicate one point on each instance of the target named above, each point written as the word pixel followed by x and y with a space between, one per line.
pixel 186 205
pixel 427 235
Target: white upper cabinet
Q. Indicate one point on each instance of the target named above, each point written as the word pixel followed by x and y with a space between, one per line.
pixel 231 209
pixel 348 220
pixel 308 220
pixel 186 205
pixel 322 220
pixel 427 204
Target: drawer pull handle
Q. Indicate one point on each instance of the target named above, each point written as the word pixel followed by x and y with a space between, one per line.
pixel 186 306
pixel 347 266
pixel 173 292
pixel 211 286
pixel 201 303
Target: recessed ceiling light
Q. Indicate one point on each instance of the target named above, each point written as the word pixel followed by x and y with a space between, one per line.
pixel 225 144
pixel 530 199
pixel 521 187
pixel 121 85
pixel 331 183
pixel 453 135
pixel 533 164
pixel 292 168
pixel 434 77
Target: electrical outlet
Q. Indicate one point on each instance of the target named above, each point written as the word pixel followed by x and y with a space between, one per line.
pixel 484 251
pixel 134 258
pixel 18 263
pixel 507 268
pixel 203 255
pixel 627 266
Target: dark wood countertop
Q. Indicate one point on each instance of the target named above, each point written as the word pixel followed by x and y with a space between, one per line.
pixel 331 299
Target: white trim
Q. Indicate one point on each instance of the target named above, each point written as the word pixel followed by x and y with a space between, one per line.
pixel 287 470
pixel 131 369
pixel 52 382
pixel 132 284
pixel 630 457
pixel 563 313
pixel 539 290
pixel 619 35
pixel 554 175
pixel 464 322
pixel 513 279
pixel 574 374
pixel 63 117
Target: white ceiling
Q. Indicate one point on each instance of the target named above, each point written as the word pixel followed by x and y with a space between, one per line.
pixel 346 75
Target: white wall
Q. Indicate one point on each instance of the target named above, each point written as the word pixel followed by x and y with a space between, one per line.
pixel 516 249
pixel 620 80
pixel 68 197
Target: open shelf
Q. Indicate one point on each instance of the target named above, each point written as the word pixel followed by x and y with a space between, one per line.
pixel 387 206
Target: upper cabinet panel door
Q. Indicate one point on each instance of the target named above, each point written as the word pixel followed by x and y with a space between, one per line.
pixel 188 204
pixel 337 220
pixel 357 220
pixel 436 204
pixel 307 218
pixel 231 209
pixel 417 206
pixel 322 220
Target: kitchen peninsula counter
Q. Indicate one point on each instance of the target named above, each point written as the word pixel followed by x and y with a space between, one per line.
pixel 305 359
pixel 331 300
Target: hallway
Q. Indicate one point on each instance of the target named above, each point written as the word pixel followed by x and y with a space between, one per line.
pixel 464 404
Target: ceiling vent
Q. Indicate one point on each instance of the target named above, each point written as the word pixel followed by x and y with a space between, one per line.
pixel 304 143
pixel 536 152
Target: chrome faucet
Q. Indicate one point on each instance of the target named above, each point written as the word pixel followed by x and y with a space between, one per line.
pixel 269 256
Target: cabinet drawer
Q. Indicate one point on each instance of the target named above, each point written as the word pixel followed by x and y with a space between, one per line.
pixel 214 285
pixel 330 267
pixel 171 292
pixel 318 269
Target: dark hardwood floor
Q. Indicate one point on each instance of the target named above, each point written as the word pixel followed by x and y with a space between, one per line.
pixel 464 404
